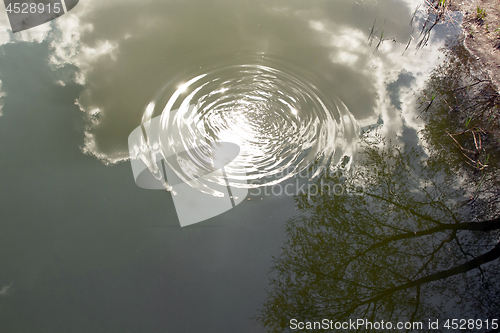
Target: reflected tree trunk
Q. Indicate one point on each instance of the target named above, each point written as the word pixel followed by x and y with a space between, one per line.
pixel 396 250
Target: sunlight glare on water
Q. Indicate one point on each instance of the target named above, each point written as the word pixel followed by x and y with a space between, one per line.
pixel 277 117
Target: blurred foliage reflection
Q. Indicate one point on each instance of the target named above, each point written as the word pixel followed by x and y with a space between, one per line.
pixel 396 245
pixel 461 108
pixel 415 234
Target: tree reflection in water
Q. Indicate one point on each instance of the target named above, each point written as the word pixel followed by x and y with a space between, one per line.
pixel 403 248
pixel 461 108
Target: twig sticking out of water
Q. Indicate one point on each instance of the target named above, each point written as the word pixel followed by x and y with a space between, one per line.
pixel 438 11
pixel 409 41
pixel 414 14
pixel 371 35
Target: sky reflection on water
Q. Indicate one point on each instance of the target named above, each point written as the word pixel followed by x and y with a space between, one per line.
pixel 125 52
pixel 81 247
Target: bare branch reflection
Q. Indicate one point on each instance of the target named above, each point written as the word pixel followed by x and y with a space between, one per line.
pixel 399 244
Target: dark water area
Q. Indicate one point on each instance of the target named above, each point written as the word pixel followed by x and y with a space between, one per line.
pixel 342 143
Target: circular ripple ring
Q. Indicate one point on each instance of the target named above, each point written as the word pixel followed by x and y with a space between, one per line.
pixel 282 123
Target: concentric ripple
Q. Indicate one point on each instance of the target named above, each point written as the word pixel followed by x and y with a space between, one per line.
pixel 281 122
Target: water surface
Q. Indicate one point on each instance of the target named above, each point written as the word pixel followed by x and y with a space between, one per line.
pixel 82 248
